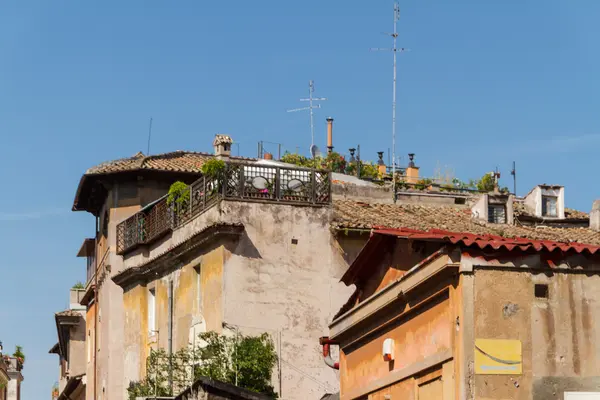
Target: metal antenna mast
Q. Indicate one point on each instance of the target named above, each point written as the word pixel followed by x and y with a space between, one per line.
pixel 394 50
pixel 311 106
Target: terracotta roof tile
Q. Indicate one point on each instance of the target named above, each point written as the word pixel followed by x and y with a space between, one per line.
pixel 358 215
pixel 177 161
pixel 520 210
pixel 69 313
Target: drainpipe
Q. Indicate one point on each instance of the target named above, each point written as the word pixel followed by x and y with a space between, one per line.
pixel 96 306
pixel 326 343
pixel 171 335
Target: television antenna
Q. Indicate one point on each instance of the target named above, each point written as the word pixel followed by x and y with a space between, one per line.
pixel 394 50
pixel 311 106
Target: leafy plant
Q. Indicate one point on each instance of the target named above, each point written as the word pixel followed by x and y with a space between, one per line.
pixel 423 184
pixel 179 196
pixel 247 360
pixel 299 160
pixel 78 285
pixel 369 170
pixel 213 168
pixel 20 356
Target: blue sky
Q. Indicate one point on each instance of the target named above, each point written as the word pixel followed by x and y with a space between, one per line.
pixel 485 84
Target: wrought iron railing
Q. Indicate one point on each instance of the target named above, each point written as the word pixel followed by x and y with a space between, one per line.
pixel 249 182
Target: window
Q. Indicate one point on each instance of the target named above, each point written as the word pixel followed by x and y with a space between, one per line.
pixel 105 222
pixel 89 346
pixel 151 311
pixel 549 206
pixel 198 290
pixel 497 213
pixel 541 291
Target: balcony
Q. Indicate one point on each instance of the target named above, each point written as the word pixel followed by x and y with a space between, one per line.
pixel 240 182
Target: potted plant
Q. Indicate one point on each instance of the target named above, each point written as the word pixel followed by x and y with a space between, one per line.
pixel 178 200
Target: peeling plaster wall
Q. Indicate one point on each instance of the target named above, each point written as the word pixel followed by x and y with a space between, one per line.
pixel 123 200
pixel 261 283
pixel 560 335
pixel 282 278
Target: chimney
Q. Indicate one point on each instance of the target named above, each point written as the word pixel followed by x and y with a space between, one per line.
pixel 222 146
pixel 268 156
pixel 412 171
pixel 595 216
pixel 381 164
pixel 329 135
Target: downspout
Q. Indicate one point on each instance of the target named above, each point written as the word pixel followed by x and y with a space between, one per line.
pixel 171 335
pixel 96 313
pixel 326 343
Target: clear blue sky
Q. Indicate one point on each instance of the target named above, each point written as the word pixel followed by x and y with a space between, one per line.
pixel 485 83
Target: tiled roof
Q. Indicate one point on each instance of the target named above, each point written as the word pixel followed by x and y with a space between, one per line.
pixel 69 313
pixel 520 210
pixel 177 161
pixel 484 241
pixel 359 215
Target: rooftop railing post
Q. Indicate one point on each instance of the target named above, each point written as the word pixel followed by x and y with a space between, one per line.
pixel 313 186
pixel 242 183
pixel 277 183
pixel 204 192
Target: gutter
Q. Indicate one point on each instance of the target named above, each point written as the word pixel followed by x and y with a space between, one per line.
pixel 326 343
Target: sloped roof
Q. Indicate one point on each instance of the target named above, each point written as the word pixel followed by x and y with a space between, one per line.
pixel 177 161
pixel 360 215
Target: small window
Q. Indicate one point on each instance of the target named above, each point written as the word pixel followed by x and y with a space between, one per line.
pixel 198 290
pixel 549 206
pixel 151 311
pixel 541 291
pixel 89 346
pixel 497 213
pixel 105 221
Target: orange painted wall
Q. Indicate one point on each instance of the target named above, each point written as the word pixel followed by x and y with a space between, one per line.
pixel 427 333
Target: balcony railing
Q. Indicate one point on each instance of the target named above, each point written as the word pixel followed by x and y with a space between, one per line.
pixel 249 182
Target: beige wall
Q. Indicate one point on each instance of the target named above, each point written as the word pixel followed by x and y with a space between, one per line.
pixel 261 283
pixel 123 201
pixel 560 335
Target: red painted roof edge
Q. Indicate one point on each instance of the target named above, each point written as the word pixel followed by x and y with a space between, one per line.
pixel 486 240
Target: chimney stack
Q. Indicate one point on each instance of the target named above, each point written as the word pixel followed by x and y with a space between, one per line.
pixel 381 164
pixel 222 146
pixel 329 135
pixel 595 216
pixel 268 156
pixel 412 171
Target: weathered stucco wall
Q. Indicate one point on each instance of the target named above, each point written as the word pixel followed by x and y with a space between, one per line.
pixel 77 353
pixel 282 278
pixel 189 309
pixel 559 334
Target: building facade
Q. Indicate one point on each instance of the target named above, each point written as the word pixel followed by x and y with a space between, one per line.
pixel 451 303
pixel 248 256
pixel 71 348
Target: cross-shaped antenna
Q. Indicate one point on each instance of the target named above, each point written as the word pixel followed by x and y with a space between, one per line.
pixel 311 106
pixel 394 50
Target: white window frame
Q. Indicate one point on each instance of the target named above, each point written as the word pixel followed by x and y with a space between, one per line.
pixel 492 206
pixel 545 207
pixel 151 311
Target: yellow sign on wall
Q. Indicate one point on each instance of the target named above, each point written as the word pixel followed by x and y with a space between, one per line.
pixel 498 357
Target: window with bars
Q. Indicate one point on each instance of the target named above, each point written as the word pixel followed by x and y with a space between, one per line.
pixel 549 206
pixel 497 213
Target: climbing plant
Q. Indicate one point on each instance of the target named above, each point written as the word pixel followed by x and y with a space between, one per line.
pixel 245 360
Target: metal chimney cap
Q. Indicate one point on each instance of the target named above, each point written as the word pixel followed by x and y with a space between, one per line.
pixel 329 119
